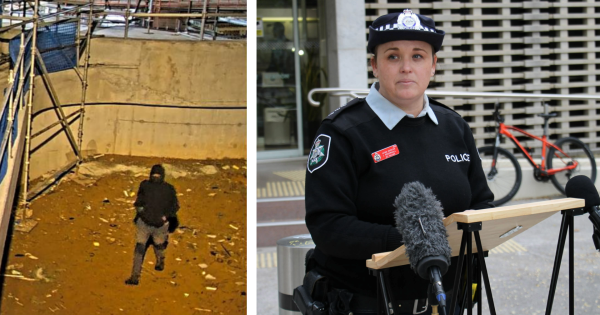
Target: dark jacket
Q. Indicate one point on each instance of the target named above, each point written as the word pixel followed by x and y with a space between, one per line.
pixel 352 181
pixel 157 198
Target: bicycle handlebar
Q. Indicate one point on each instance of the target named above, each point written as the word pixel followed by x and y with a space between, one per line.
pixel 497 116
pixel 546 115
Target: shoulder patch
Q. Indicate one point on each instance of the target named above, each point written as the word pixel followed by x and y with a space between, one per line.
pixel 432 101
pixel 336 112
pixel 319 153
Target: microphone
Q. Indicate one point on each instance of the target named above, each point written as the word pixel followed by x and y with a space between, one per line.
pixel 419 219
pixel 582 187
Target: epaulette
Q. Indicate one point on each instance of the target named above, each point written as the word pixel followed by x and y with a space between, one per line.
pixel 336 112
pixel 432 101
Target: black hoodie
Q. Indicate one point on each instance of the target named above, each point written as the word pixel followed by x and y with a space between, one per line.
pixel 157 197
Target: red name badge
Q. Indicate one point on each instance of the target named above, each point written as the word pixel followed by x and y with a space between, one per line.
pixel 384 154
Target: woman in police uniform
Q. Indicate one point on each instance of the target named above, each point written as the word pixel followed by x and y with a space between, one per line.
pixel 367 150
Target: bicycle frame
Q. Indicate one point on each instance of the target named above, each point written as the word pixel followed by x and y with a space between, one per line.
pixel 504 130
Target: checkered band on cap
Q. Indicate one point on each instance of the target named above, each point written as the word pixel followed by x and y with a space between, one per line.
pixel 407 20
pixel 404 26
pixel 396 27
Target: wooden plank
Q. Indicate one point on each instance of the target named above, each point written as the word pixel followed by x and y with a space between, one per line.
pixel 517 210
pixel 496 222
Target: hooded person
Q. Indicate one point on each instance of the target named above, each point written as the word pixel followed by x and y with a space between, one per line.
pixel 156 206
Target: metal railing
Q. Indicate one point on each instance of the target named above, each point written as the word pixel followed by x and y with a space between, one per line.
pixel 17 99
pixel 211 16
pixel 579 112
pixel 123 3
pixel 498 96
pixel 14 101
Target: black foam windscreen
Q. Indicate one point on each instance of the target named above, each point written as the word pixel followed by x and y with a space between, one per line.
pixel 419 218
pixel 582 187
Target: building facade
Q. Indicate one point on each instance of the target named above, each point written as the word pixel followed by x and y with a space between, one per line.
pixel 550 47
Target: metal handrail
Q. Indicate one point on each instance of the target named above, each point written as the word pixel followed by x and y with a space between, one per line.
pixel 356 92
pixel 9 127
pixel 27 20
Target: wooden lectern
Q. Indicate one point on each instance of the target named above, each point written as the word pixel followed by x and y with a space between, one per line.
pixel 488 228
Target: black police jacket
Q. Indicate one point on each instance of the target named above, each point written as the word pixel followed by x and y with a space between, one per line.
pixel 357 167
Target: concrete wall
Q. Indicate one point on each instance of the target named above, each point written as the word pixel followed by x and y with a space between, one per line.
pixel 187 74
pixel 346 46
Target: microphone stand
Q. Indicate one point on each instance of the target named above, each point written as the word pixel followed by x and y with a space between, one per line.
pixel 567 225
pixel 383 292
pixel 433 301
pixel 471 230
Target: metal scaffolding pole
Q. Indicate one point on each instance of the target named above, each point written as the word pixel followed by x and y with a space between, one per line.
pixel 19 98
pixel 127 15
pixel 9 99
pixel 26 158
pixel 149 17
pixel 11 103
pixel 203 20
pixel 56 102
pixel 215 25
pixel 13 99
pixel 187 21
pixel 84 83
pixel 78 37
pixel 21 67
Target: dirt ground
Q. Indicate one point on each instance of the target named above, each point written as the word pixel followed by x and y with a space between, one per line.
pixel 76 259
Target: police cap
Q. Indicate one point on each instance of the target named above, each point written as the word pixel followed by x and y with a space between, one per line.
pixel 404 26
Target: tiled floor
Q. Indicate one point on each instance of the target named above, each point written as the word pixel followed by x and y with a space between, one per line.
pixel 281 179
pixel 266 259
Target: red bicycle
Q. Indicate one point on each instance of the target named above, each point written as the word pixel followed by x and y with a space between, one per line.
pixel 566 158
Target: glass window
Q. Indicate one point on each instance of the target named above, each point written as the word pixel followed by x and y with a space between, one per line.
pixel 285 74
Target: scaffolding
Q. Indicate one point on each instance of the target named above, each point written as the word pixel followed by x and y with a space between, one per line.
pixel 225 18
pixel 57 37
pixel 45 44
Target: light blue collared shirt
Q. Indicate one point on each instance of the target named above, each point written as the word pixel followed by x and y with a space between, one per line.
pixel 391 114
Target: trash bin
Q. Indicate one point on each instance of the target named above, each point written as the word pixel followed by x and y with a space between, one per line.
pixel 291 252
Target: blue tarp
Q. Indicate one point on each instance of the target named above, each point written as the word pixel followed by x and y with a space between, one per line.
pixel 56 44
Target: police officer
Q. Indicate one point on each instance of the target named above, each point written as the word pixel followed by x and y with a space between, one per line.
pixel 156 209
pixel 368 149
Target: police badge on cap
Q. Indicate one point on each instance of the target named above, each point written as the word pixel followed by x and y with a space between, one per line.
pixel 404 26
pixel 409 21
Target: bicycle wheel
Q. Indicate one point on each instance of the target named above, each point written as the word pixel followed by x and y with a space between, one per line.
pixel 576 151
pixel 505 179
